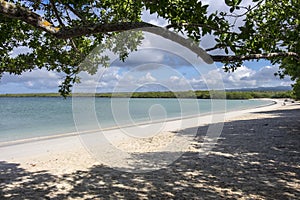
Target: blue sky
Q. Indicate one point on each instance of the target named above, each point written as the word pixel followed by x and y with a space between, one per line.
pixel 152 68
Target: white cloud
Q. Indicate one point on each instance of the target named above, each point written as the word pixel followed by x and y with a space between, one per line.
pixel 141 57
pixel 174 78
pixel 147 78
pixel 36 79
pixel 104 79
pixel 153 18
pixel 240 77
pixel 245 77
pixel 118 79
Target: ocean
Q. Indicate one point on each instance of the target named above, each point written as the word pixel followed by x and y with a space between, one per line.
pixel 30 117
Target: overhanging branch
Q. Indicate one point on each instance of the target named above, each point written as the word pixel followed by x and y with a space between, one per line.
pixel 18 12
pixel 194 47
pixel 225 58
pixel 11 10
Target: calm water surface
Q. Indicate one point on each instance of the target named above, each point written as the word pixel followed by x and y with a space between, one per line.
pixel 29 117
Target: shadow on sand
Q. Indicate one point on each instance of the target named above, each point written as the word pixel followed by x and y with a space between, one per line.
pixel 253 159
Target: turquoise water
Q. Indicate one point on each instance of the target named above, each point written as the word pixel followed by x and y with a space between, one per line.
pixel 28 117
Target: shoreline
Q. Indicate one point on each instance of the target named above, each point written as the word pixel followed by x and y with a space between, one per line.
pixel 62 146
pixel 171 119
pixel 256 157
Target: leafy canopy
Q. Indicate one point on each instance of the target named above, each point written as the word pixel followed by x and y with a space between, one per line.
pixel 60 34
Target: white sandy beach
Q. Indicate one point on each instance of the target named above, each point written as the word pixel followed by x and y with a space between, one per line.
pixel 68 158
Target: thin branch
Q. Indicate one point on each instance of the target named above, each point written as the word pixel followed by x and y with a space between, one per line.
pixel 196 25
pixel 245 13
pixel 68 14
pixel 56 13
pixel 224 58
pixel 213 48
pixel 220 46
pixel 74 45
pixel 62 24
pixel 75 12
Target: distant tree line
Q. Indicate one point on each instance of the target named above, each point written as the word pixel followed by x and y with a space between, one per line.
pixel 208 94
pixel 169 94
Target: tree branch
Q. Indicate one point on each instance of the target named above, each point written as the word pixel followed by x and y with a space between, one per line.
pixel 213 48
pixel 71 32
pixel 188 43
pixel 17 12
pixel 221 46
pixel 224 58
pixel 14 11
pixel 104 28
pixel 11 10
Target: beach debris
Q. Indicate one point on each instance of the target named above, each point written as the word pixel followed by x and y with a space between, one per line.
pixel 32 164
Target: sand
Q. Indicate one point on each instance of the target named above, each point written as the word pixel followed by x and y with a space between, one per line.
pixel 256 156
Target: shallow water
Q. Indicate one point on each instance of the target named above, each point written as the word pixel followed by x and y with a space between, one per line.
pixel 29 117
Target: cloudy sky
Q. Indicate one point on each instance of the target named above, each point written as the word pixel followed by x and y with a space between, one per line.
pixel 159 64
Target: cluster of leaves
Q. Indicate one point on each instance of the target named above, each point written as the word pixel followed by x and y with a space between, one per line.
pixel 268 26
pixel 273 26
pixel 67 56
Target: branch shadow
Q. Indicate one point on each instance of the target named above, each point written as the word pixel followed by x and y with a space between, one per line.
pixel 254 159
pixel 17 183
